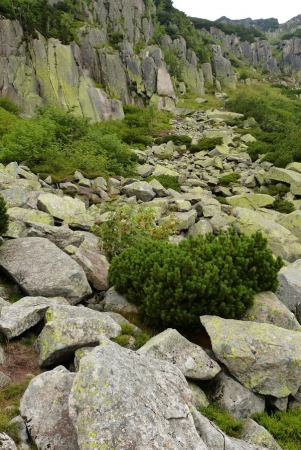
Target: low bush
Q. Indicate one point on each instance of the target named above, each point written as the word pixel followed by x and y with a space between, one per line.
pixel 225 180
pixel 175 138
pixel 283 426
pixel 206 144
pixel 216 275
pixel 127 225
pixel 10 106
pixel 283 206
pixel 223 419
pixel 168 181
pixel 4 218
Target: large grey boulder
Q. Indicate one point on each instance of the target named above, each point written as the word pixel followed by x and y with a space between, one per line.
pixel 60 236
pixel 267 308
pixel 251 201
pixel 29 215
pixel 42 269
pixel 123 400
pixel 70 328
pixel 44 407
pixel 254 433
pixel 113 301
pixel 239 401
pixel 95 266
pixel 292 222
pixel 24 314
pixel 289 289
pixel 6 442
pixel 266 359
pixel 140 189
pixel 189 358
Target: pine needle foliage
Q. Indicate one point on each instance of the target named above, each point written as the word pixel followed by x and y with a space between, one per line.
pixel 4 218
pixel 213 274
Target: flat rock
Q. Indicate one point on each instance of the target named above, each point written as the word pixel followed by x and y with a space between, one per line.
pixel 60 236
pixel 24 314
pixel 44 407
pixel 42 269
pixel 264 358
pixel 251 201
pixel 267 308
pixel 15 196
pixel 30 215
pixel 189 358
pixel 233 397
pixel 114 386
pixel 284 175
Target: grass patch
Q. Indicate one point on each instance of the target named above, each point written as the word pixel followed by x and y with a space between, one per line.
pixel 206 144
pixel 167 181
pixel 226 180
pixel 223 419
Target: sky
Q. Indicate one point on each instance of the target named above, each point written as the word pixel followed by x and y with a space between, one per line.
pixel 239 9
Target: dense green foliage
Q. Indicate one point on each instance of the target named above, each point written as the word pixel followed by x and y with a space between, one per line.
pixel 216 275
pixel 225 180
pixel 175 138
pixel 126 225
pixel 223 419
pixel 288 36
pixel 167 181
pixel 283 426
pixel 52 21
pixel 245 34
pixel 283 206
pixel 206 144
pixel 7 104
pixel 4 218
pixel 279 119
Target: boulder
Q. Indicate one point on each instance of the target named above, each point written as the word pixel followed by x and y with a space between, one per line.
pixel 264 358
pixel 292 222
pixel 30 215
pixel 184 220
pixel 289 289
pixel 189 358
pixel 60 236
pixel 15 196
pixel 198 397
pixel 118 303
pixel 140 189
pixel 4 380
pixel 251 201
pixel 282 241
pixel 239 401
pixel 256 434
pixel 95 266
pixel 6 442
pixel 24 314
pixel 267 308
pixel 44 407
pixel 284 175
pixel 114 386
pixel 42 269
pixel 71 329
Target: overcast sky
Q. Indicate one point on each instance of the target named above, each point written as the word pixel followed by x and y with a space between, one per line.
pixel 239 9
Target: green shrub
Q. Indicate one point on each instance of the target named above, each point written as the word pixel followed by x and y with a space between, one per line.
pixel 206 144
pixel 10 106
pixel 4 218
pixel 127 225
pixel 283 426
pixel 175 138
pixel 168 181
pixel 223 419
pixel 216 275
pixel 283 206
pixel 225 180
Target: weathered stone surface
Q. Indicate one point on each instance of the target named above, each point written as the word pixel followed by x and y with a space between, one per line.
pixel 198 397
pixel 282 241
pixel 21 431
pixel 3 303
pixel 266 359
pixel 30 215
pixel 71 330
pixel 60 236
pixel 292 222
pixel 15 196
pixel 4 380
pixel 189 358
pixel 44 407
pixel 256 434
pixel 95 266
pixel 284 175
pixel 239 401
pixel 185 219
pixel 24 314
pixel 201 227
pixel 42 269
pixel 111 380
pixel 267 308
pixel 145 170
pixel 289 289
pixel 117 303
pixel 140 189
pixel 6 442
pixel 251 201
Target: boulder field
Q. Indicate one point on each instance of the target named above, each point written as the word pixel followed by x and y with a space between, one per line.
pixel 95 394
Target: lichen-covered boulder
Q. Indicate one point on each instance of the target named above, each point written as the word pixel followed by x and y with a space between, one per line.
pixel 95 266
pixel 267 308
pixel 118 303
pixel 239 401
pixel 251 201
pixel 30 215
pixel 60 236
pixel 266 359
pixel 123 400
pixel 15 196
pixel 284 175
pixel 42 269
pixel 71 328
pixel 198 397
pixel 140 189
pixel 24 314
pixel 292 222
pixel 256 434
pixel 289 289
pixel 189 358
pixel 44 407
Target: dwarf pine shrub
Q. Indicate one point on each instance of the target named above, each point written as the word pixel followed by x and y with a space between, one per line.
pixel 4 218
pixel 214 274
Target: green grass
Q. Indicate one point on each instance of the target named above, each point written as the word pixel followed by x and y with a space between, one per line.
pixel 223 419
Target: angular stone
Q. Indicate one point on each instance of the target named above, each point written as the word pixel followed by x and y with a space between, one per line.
pixel 42 269
pixel 6 442
pixel 95 266
pixel 201 227
pixel 117 379
pixel 161 170
pixel 30 215
pixel 251 201
pixel 118 303
pixel 15 196
pixel 145 170
pixel 158 188
pixel 267 308
pixel 189 358
pixel 70 330
pixel 44 407
pixel 140 189
pixel 4 380
pixel 284 175
pixel 60 236
pixel 266 359
pixel 198 397
pixel 289 289
pixel 256 434
pixel 239 401
pixel 24 314
pixel 292 222
pixel 185 219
